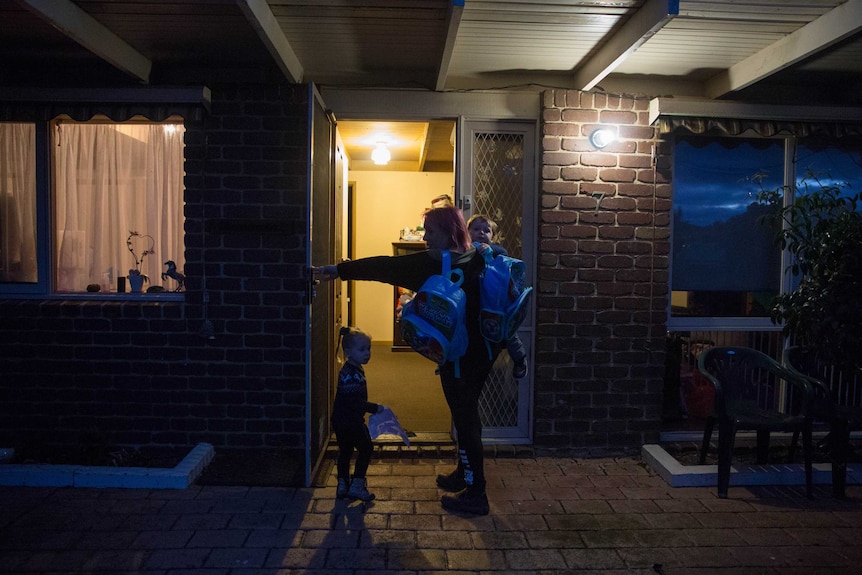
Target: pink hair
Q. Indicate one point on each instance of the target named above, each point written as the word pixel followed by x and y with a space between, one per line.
pixel 450 221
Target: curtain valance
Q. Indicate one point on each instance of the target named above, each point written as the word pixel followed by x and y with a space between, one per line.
pixel 726 117
pixel 766 128
pixel 155 104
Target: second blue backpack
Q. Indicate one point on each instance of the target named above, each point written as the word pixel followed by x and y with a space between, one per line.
pixel 505 297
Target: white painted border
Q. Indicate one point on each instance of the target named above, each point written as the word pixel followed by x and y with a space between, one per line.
pixel 679 475
pixel 178 477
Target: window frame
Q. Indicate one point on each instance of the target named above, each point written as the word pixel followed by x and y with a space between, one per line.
pixel 714 323
pixel 45 288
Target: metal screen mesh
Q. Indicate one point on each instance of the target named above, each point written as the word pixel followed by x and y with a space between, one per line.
pixel 498 185
pixel 498 192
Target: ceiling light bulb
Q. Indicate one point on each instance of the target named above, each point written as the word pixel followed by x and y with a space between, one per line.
pixel 381 155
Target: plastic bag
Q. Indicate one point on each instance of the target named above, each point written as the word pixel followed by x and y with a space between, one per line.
pixel 386 424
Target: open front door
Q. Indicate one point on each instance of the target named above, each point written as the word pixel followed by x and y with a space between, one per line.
pixel 323 247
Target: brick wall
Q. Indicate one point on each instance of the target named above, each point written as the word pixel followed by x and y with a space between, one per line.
pixel 140 373
pixel 602 287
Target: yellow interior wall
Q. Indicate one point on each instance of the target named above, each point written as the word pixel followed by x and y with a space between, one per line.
pixel 679 298
pixel 386 203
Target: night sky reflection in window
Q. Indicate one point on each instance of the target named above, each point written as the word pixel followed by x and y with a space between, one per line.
pixel 724 260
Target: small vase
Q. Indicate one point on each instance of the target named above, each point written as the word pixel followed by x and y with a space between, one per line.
pixel 136 283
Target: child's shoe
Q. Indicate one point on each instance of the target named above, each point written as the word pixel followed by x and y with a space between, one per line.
pixel 343 488
pixel 358 490
pixel 519 370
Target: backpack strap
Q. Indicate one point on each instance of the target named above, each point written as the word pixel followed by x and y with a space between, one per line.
pixel 488 256
pixel 455 276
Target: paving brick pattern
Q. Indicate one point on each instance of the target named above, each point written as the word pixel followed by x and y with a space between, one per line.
pixel 548 515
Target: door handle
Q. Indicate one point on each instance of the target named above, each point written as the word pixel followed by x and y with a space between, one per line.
pixel 310 282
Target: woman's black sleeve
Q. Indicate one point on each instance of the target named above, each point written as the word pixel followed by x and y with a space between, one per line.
pixel 409 271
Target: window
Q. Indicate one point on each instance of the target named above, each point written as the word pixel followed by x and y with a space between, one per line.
pixel 725 265
pixel 107 180
pixel 725 262
pixel 18 203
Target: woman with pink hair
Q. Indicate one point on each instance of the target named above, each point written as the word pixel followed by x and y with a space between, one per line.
pixel 445 229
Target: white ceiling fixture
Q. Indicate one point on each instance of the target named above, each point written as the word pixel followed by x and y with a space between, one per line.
pixel 381 155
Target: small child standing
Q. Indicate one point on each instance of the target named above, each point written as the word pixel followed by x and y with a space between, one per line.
pixel 348 416
pixel 482 230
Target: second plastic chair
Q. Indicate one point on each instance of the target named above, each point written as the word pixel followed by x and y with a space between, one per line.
pixel 836 402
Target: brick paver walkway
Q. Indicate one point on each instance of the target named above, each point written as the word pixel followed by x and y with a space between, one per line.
pixel 548 515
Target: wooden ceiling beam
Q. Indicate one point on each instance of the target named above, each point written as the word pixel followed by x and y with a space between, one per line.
pixel 261 18
pixel 839 23
pixel 72 21
pixel 453 22
pixel 643 25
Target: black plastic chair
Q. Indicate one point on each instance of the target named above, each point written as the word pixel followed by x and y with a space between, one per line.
pixel 754 392
pixel 835 402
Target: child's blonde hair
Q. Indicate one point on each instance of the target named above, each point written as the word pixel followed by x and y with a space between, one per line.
pixel 482 218
pixel 347 336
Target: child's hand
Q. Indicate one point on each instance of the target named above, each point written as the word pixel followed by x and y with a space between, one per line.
pixel 482 248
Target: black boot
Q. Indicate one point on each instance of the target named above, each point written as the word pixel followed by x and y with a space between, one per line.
pixel 452 482
pixel 471 500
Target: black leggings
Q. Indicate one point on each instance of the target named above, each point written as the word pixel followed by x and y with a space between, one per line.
pixel 350 437
pixel 462 395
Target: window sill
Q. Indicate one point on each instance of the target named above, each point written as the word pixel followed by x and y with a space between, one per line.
pixel 99 296
pixel 721 323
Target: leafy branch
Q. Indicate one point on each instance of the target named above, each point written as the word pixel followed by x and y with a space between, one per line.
pixel 822 230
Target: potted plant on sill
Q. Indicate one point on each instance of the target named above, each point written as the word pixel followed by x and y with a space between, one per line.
pixel 135 277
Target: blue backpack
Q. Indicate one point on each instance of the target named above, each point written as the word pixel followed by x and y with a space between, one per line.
pixel 434 322
pixel 504 297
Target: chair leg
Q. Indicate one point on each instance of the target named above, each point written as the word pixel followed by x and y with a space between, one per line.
pixel 726 436
pixel 808 455
pixel 794 441
pixel 840 433
pixel 707 437
pixel 762 446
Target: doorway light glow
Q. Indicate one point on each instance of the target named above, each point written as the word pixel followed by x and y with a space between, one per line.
pixel 381 154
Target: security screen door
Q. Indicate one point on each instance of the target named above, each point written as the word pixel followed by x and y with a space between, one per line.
pixel 498 179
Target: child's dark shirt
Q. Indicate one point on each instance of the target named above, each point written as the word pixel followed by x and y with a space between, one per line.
pixel 351 397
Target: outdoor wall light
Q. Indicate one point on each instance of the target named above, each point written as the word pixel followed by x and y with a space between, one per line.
pixel 381 154
pixel 601 137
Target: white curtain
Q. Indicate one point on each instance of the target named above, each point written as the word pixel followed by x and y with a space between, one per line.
pixel 110 180
pixel 18 203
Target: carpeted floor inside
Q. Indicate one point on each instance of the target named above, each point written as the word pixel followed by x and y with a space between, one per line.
pixel 407 383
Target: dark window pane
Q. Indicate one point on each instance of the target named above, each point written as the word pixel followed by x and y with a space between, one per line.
pixel 833 162
pixel 725 262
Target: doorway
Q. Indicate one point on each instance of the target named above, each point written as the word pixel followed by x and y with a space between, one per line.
pixel 385 203
pixel 495 175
